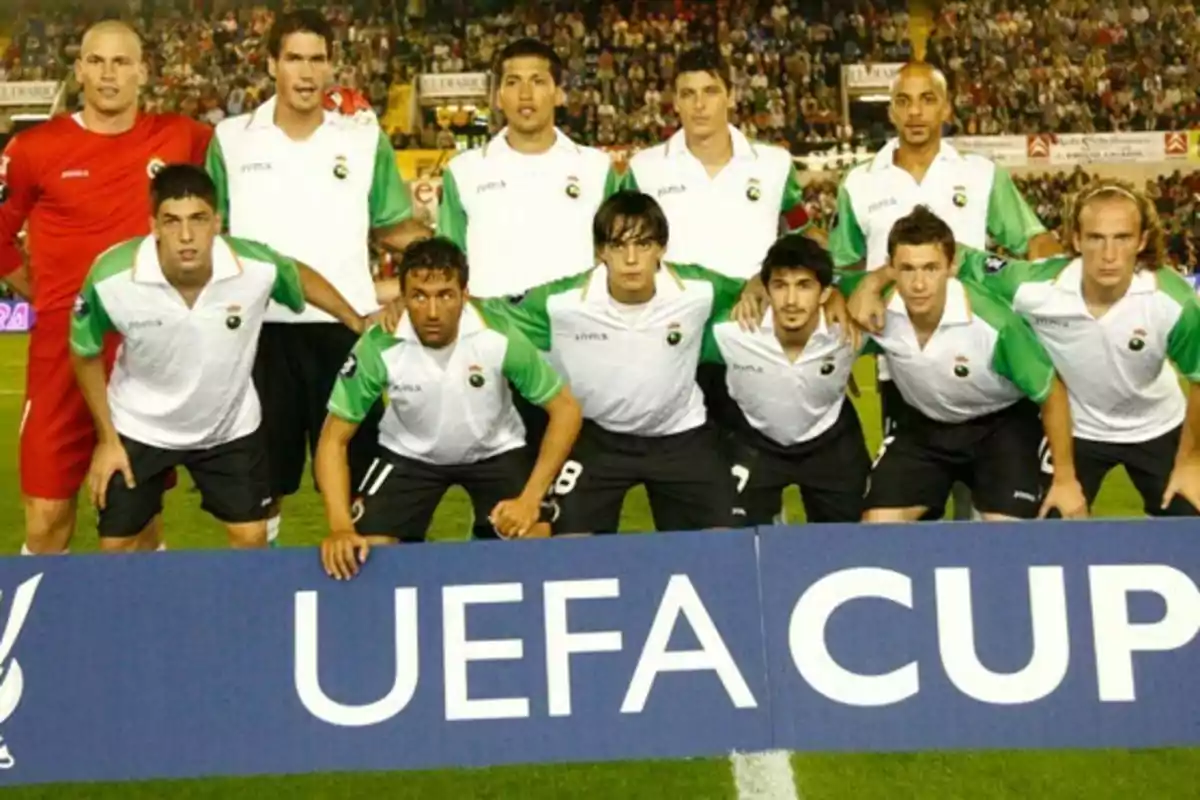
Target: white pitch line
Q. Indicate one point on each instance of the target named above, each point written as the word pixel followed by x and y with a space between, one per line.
pixel 9 392
pixel 764 776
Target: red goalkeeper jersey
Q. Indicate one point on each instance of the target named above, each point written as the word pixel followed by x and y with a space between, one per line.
pixel 83 192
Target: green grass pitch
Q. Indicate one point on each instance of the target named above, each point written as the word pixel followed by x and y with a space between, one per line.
pixel 1153 775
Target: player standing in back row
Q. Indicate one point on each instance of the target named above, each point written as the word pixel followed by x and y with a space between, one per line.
pixel 974 196
pixel 83 183
pixel 315 186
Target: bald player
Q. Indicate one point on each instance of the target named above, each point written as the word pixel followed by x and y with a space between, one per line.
pixel 82 183
pixel 973 195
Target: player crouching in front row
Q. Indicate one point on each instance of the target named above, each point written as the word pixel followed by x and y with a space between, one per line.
pixel 189 306
pixel 450 418
pixel 969 367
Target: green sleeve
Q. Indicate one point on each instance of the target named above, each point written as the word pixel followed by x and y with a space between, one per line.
pixel 452 217
pixel 847 244
pixel 1020 357
pixel 630 180
pixel 847 280
pixel 793 192
pixel 1002 276
pixel 536 380
pixel 530 316
pixel 726 291
pixel 710 348
pixel 390 200
pixel 1010 220
pixel 89 321
pixel 363 377
pixel 1183 342
pixel 618 182
pixel 214 163
pixel 870 347
pixel 288 290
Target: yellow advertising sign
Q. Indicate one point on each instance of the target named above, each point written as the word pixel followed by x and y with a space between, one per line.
pixel 415 164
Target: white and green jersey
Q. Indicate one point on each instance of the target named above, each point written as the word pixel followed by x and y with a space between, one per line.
pixel 728 221
pixel 788 402
pixel 524 220
pixel 182 380
pixel 316 200
pixel 1116 368
pixel 976 198
pixel 633 368
pixel 448 405
pixel 982 358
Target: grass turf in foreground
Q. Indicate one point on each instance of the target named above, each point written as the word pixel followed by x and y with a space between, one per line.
pixel 1157 775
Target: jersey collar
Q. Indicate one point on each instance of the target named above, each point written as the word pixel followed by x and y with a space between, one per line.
pixel 1070 280
pixel 263 117
pixel 469 323
pixel 957 311
pixel 885 158
pixel 498 144
pixel 147 269
pixel 667 286
pixel 676 146
pixel 816 346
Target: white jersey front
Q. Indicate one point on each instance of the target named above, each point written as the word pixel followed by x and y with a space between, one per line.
pixel 315 200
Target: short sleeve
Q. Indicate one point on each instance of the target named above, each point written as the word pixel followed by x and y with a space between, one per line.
pixel 1010 220
pixel 847 244
pixel 214 163
pixel 390 201
pixel 710 347
pixel 1004 276
pixel 618 182
pixel 533 378
pixel 1183 342
pixel 452 217
pixel 89 322
pixel 793 192
pixel 726 291
pixel 1020 357
pixel 363 377
pixel 288 290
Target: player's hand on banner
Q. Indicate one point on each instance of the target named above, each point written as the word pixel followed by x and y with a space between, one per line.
pixel 350 103
pixel 514 518
pixel 1184 483
pixel 1067 498
pixel 837 313
pixel 109 459
pixel 342 553
pixel 751 306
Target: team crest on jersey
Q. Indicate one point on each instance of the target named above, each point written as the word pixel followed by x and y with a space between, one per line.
pixel 154 166
pixel 475 376
pixel 573 187
pixel 233 317
pixel 960 366
pixel 81 307
pixel 960 196
pixel 754 190
pixel 340 168
pixel 828 366
pixel 1137 342
pixel 674 334
pixel 994 264
pixel 350 367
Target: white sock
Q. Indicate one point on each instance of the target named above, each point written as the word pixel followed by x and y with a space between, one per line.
pixel 25 551
pixel 162 548
pixel 273 527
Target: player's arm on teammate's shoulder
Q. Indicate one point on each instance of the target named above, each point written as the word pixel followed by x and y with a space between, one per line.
pixel 1183 348
pixel 90 323
pixel 359 386
pixel 793 215
pixel 393 225
pixel 297 285
pixel 18 193
pixel 1022 359
pixel 1012 223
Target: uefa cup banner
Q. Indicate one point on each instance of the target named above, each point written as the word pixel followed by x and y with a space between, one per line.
pixel 839 638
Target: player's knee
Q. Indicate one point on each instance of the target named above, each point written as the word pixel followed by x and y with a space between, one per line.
pixel 247 535
pixel 892 515
pixel 120 544
pixel 988 516
pixel 49 525
pixel 151 536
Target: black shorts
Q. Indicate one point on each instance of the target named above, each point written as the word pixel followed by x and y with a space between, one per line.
pixel 294 373
pixel 831 471
pixel 232 478
pixel 684 474
pixel 398 496
pixel 893 408
pixel 1149 465
pixel 997 456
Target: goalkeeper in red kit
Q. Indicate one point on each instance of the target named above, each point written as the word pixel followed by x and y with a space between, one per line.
pixel 82 184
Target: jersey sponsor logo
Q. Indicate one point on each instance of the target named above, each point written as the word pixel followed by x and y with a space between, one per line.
pixel 1050 322
pixel 1137 342
pixel 74 174
pixel 674 334
pixel 675 188
pixel 155 166
pixel 257 166
pixel 139 324
pixel 490 186
pixel 747 368
pixel 475 376
pixel 879 205
pixel 81 309
pixel 340 168
pixel 960 366
pixel 591 337
pixel 12 678
pixel 993 264
pixel 754 190
pixel 573 187
pixel 408 388
pixel 350 367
